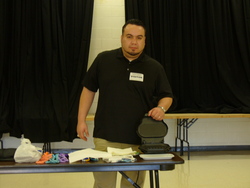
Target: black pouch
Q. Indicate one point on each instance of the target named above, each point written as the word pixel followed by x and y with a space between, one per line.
pixel 152 134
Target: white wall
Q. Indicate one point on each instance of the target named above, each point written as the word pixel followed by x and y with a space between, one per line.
pixel 109 16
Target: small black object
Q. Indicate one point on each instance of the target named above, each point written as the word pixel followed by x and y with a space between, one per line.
pixel 152 133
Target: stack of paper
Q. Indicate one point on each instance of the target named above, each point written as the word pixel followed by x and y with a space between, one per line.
pixel 117 151
pixel 81 154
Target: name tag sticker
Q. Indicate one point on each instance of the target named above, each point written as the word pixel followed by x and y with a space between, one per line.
pixel 136 77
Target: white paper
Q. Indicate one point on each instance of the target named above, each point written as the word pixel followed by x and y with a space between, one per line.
pixel 81 154
pixel 156 156
pixel 117 151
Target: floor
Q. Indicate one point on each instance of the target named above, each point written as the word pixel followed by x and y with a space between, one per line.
pixel 219 169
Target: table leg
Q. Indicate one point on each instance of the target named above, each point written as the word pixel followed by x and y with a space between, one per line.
pixel 178 134
pixel 151 178
pixel 47 147
pixel 157 184
pixel 182 134
pixel 129 179
pixel 154 179
pixel 1 144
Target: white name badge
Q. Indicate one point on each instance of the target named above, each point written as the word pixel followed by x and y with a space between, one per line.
pixel 136 77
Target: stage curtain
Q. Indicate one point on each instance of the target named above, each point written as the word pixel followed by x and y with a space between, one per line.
pixel 204 47
pixel 43 58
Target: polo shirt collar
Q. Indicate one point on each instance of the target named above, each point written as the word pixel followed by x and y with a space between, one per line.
pixel 120 55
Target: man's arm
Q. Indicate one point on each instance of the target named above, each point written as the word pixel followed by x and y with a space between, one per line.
pixel 85 103
pixel 158 113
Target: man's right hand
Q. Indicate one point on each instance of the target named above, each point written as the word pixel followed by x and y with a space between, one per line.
pixel 82 131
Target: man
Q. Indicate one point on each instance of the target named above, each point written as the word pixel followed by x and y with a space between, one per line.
pixel 131 84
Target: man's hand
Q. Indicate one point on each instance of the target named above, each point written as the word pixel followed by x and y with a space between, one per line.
pixel 156 113
pixel 82 131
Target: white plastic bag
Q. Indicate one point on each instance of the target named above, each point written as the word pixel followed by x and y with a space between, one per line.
pixel 26 152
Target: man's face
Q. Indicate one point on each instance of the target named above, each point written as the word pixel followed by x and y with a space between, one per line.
pixel 133 41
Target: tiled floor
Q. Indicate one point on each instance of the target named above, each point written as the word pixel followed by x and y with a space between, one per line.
pixel 204 170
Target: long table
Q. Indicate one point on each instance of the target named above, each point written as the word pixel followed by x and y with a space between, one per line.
pixel 91 117
pixel 153 166
pixel 185 121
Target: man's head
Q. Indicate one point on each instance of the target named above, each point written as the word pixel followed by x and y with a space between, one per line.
pixel 133 38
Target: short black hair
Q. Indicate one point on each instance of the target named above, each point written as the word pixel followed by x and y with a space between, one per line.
pixel 134 22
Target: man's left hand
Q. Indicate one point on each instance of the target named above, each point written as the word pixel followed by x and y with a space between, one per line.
pixel 156 113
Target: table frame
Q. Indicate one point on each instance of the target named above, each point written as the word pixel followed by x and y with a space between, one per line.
pixel 185 121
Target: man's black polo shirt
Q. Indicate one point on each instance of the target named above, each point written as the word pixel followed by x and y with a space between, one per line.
pixel 127 90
